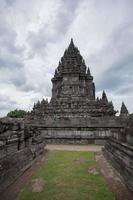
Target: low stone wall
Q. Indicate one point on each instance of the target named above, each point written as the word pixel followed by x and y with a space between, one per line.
pixel 73 135
pixel 75 141
pixel 12 165
pixel 76 129
pixel 121 157
pixel 18 149
pixel 129 130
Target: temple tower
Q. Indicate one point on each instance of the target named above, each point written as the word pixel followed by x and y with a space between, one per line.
pixel 73 114
pixel 124 110
pixel 72 78
pixel 73 91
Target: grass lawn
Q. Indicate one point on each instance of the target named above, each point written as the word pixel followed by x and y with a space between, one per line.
pixel 65 176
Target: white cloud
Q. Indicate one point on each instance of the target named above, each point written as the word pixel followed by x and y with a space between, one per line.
pixel 34 35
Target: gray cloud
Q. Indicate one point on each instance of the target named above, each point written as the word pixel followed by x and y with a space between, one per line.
pixel 118 75
pixel 117 61
pixel 6 103
pixel 11 54
pixel 10 2
pixel 54 29
pixel 33 36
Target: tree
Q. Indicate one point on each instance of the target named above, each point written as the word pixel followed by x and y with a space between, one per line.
pixel 17 113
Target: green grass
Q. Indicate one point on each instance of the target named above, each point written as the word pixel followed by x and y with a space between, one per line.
pixel 66 177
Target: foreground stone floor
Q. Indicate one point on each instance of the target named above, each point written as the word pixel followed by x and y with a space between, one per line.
pixel 112 177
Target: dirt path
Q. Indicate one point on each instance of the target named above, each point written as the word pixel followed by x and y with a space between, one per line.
pixel 94 148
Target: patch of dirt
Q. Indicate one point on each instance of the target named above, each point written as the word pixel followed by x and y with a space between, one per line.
pixel 60 183
pixel 79 160
pixel 93 171
pixel 37 185
pixel 113 179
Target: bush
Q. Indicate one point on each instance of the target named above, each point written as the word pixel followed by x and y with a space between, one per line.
pixel 17 114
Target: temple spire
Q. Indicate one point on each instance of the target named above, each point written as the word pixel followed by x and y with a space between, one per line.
pixel 124 110
pixel 71 62
pixel 71 45
pixel 88 71
pixel 104 97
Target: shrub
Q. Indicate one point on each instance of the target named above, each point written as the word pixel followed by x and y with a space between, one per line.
pixel 17 113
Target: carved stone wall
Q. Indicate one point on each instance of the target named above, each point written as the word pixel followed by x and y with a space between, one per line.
pixel 119 151
pixel 18 149
pixel 78 130
pixel 129 130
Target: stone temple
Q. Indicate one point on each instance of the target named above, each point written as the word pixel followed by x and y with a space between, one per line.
pixel 74 114
pixel 73 92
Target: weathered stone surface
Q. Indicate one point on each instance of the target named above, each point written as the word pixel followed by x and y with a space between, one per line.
pixel 124 110
pixel 119 151
pixel 18 149
pixel 129 130
pixel 73 92
pixel 121 157
pixel 73 104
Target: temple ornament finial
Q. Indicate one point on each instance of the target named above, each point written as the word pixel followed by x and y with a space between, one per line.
pixel 71 43
pixel 104 97
pixel 124 110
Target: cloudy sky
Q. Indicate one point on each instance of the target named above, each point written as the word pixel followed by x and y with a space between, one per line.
pixel 35 33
